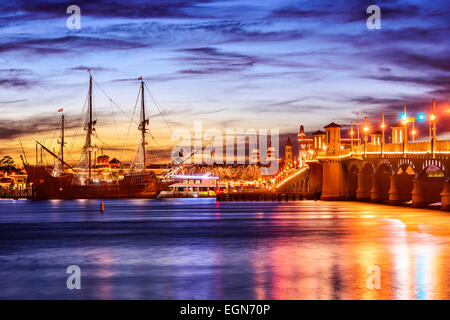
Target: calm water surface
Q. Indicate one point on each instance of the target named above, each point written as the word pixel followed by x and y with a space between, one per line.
pixel 202 249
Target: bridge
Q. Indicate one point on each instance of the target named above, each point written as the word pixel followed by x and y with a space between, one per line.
pixel 395 173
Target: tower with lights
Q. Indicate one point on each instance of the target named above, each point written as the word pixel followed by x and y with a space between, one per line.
pixel 288 157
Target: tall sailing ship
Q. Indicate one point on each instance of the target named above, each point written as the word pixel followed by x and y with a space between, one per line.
pixel 65 182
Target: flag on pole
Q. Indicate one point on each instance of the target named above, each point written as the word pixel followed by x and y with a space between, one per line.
pixel 140 78
pixel 60 110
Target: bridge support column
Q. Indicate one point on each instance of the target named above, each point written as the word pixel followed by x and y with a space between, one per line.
pixel 418 194
pixel 445 196
pixel 394 192
pixel 364 187
pixel 333 186
pixel 375 193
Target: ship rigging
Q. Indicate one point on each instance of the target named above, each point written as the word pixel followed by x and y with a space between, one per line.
pixel 76 183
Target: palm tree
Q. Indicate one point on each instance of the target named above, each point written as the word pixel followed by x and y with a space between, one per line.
pixel 7 164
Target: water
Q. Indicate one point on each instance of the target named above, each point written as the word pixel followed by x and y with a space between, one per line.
pixel 202 249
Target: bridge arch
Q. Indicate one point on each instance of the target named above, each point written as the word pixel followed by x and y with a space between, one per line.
pixel 421 178
pixel 381 182
pixel 436 163
pixel 386 163
pixel 368 167
pixel 365 181
pixel 404 164
pixel 353 164
pixel 301 184
pixel 352 180
pixel 429 183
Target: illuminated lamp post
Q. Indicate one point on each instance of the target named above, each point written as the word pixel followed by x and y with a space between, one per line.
pixel 433 135
pixel 357 121
pixel 351 135
pixel 405 131
pixel 366 130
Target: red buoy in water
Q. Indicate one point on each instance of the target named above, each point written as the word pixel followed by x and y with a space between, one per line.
pixel 102 207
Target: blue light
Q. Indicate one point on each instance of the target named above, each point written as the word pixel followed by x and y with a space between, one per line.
pixel 421 117
pixel 403 116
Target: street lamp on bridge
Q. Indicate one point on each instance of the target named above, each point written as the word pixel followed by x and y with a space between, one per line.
pixel 433 139
pixel 366 130
pixel 351 135
pixel 404 121
pixel 421 117
pixel 383 130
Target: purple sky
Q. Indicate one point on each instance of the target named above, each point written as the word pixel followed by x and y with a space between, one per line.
pixel 241 64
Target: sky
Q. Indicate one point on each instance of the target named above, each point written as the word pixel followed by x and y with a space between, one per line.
pixel 230 64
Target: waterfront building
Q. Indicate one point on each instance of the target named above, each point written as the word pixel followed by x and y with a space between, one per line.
pixel 102 161
pixel 114 163
pixel 271 153
pixel 304 143
pixel 13 183
pixel 398 133
pixel 288 156
pixel 332 139
pixel 375 137
pixel 254 156
pixel 319 139
pixel 194 186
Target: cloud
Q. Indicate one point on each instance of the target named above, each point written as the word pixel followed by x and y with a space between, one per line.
pixel 15 71
pixel 15 83
pixel 439 62
pixel 211 60
pixel 92 68
pixel 102 8
pixel 13 101
pixel 433 81
pixel 205 71
pixel 45 46
pixel 33 125
pixel 284 52
pixel 375 101
pixel 344 11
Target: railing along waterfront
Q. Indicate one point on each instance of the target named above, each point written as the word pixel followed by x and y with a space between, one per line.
pixel 422 147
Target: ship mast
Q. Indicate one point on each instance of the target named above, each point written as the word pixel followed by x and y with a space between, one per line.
pixel 90 130
pixel 62 142
pixel 144 122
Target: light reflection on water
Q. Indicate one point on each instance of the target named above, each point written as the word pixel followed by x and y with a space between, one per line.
pixel 202 249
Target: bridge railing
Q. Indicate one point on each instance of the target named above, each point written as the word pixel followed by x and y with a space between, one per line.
pixel 443 146
pixel 416 147
pixel 290 174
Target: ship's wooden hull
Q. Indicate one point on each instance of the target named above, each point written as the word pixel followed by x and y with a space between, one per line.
pixel 46 186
